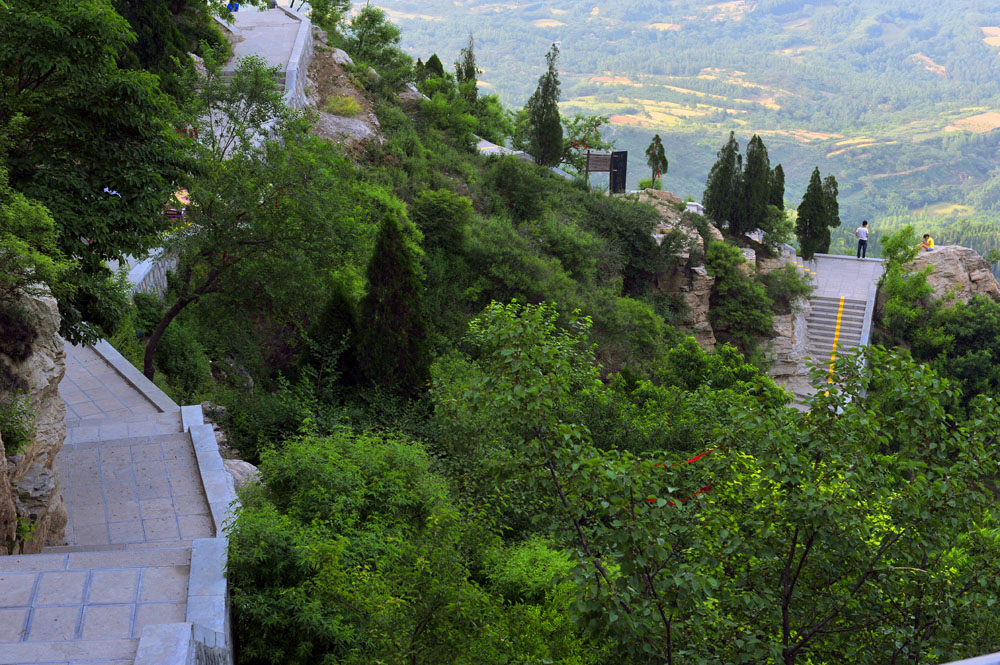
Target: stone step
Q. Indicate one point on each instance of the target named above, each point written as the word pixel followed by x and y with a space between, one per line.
pixel 107 652
pixel 121 547
pixel 823 315
pixel 833 308
pixel 86 560
pixel 111 429
pixel 827 334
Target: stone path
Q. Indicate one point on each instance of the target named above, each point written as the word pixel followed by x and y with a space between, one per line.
pixel 839 306
pixel 268 34
pixel 136 502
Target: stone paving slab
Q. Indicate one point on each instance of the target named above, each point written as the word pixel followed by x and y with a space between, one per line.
pixel 268 34
pixel 837 276
pixel 98 597
pixel 134 490
pixel 93 389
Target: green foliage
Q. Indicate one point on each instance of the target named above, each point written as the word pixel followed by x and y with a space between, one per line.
pixel 443 217
pixel 17 420
pixel 518 186
pixel 528 571
pixel 78 124
pixel 182 358
pixel 466 72
pixel 345 106
pixel 351 550
pixel 785 287
pixel 739 305
pixel 650 184
pixel 755 187
pixel 582 132
pixel 656 159
pixel 373 39
pixel 777 188
pixel 327 14
pixel 723 186
pixel 818 212
pixel 545 135
pixel 393 342
pixel 261 421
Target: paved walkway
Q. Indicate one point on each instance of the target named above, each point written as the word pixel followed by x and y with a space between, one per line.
pixel 266 34
pixel 845 276
pixel 136 501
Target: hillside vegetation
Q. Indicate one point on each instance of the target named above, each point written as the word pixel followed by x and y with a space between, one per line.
pixel 899 99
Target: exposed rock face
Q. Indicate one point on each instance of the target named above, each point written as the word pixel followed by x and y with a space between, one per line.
pixel 31 483
pixel 688 281
pixel 328 79
pixel 241 471
pixel 959 271
pixel 787 347
pixel 8 513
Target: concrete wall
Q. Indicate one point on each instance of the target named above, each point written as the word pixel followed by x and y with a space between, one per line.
pixel 296 77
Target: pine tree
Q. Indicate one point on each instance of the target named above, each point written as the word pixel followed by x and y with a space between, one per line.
pixel 655 157
pixel 723 187
pixel 434 66
pixel 812 227
pixel 830 192
pixel 546 134
pixel 755 188
pixel 777 197
pixel 465 72
pixel 393 342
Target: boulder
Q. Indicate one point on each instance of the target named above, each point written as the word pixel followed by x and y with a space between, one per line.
pixel 30 483
pixel 959 272
pixel 241 471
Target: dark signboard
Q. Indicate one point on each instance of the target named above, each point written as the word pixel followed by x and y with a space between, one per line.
pixel 619 171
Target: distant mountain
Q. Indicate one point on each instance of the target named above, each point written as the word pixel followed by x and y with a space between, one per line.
pixel 900 99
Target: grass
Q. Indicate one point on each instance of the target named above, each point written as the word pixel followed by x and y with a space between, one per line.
pixel 345 106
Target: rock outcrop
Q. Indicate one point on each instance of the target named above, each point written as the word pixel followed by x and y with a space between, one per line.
pixel 8 512
pixel 31 483
pixel 688 280
pixel 329 80
pixel 959 272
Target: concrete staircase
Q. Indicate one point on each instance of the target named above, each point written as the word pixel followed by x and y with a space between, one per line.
pixel 834 325
pixel 141 578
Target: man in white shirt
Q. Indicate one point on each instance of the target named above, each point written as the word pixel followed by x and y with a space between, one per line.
pixel 862 234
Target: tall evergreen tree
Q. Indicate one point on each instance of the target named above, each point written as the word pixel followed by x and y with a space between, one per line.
pixel 777 196
pixel 655 157
pixel 830 192
pixel 434 66
pixel 465 72
pixel 546 134
pixel 393 341
pixel 813 224
pixel 755 188
pixel 722 191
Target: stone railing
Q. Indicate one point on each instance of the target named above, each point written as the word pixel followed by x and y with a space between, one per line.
pixel 296 76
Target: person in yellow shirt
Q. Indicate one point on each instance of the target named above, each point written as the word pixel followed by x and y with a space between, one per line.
pixel 928 243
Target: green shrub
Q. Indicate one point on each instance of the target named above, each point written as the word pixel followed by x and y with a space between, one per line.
pixel 149 311
pixel 259 421
pixel 528 571
pixel 649 183
pixel 786 287
pixel 182 358
pixel 739 308
pixel 520 187
pixel 345 106
pixel 17 421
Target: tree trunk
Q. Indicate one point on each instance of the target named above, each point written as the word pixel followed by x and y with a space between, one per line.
pixel 161 327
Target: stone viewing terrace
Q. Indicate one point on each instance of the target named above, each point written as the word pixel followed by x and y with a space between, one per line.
pixel 141 576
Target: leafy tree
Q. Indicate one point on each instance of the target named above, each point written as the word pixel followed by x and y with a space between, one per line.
pixel 78 126
pixel 324 13
pixel 466 72
pixel 546 134
pixel 755 191
pixel 777 188
pixel 265 208
pixel 655 157
pixel 817 213
pixel 393 342
pixel 580 133
pixel 739 306
pixel 444 219
pixel 722 190
pixel 372 38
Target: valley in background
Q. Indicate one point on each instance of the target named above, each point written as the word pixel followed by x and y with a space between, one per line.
pixel 899 100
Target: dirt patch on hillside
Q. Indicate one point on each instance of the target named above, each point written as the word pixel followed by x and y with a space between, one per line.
pixel 930 65
pixel 992 35
pixel 331 85
pixel 977 124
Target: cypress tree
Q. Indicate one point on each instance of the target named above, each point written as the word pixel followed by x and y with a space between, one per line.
pixel 546 134
pixel 393 341
pixel 755 189
pixel 434 66
pixel 830 192
pixel 722 189
pixel 655 157
pixel 465 72
pixel 811 225
pixel 777 194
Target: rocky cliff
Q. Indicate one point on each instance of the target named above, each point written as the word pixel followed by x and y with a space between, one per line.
pixel 27 479
pixel 688 281
pixel 959 272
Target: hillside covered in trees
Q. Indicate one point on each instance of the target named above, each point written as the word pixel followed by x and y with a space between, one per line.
pixel 899 100
pixel 483 433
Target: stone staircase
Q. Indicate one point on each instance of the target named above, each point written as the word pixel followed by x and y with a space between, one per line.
pixel 831 325
pixel 141 578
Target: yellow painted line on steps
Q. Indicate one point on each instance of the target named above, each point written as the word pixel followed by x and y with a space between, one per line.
pixel 836 338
